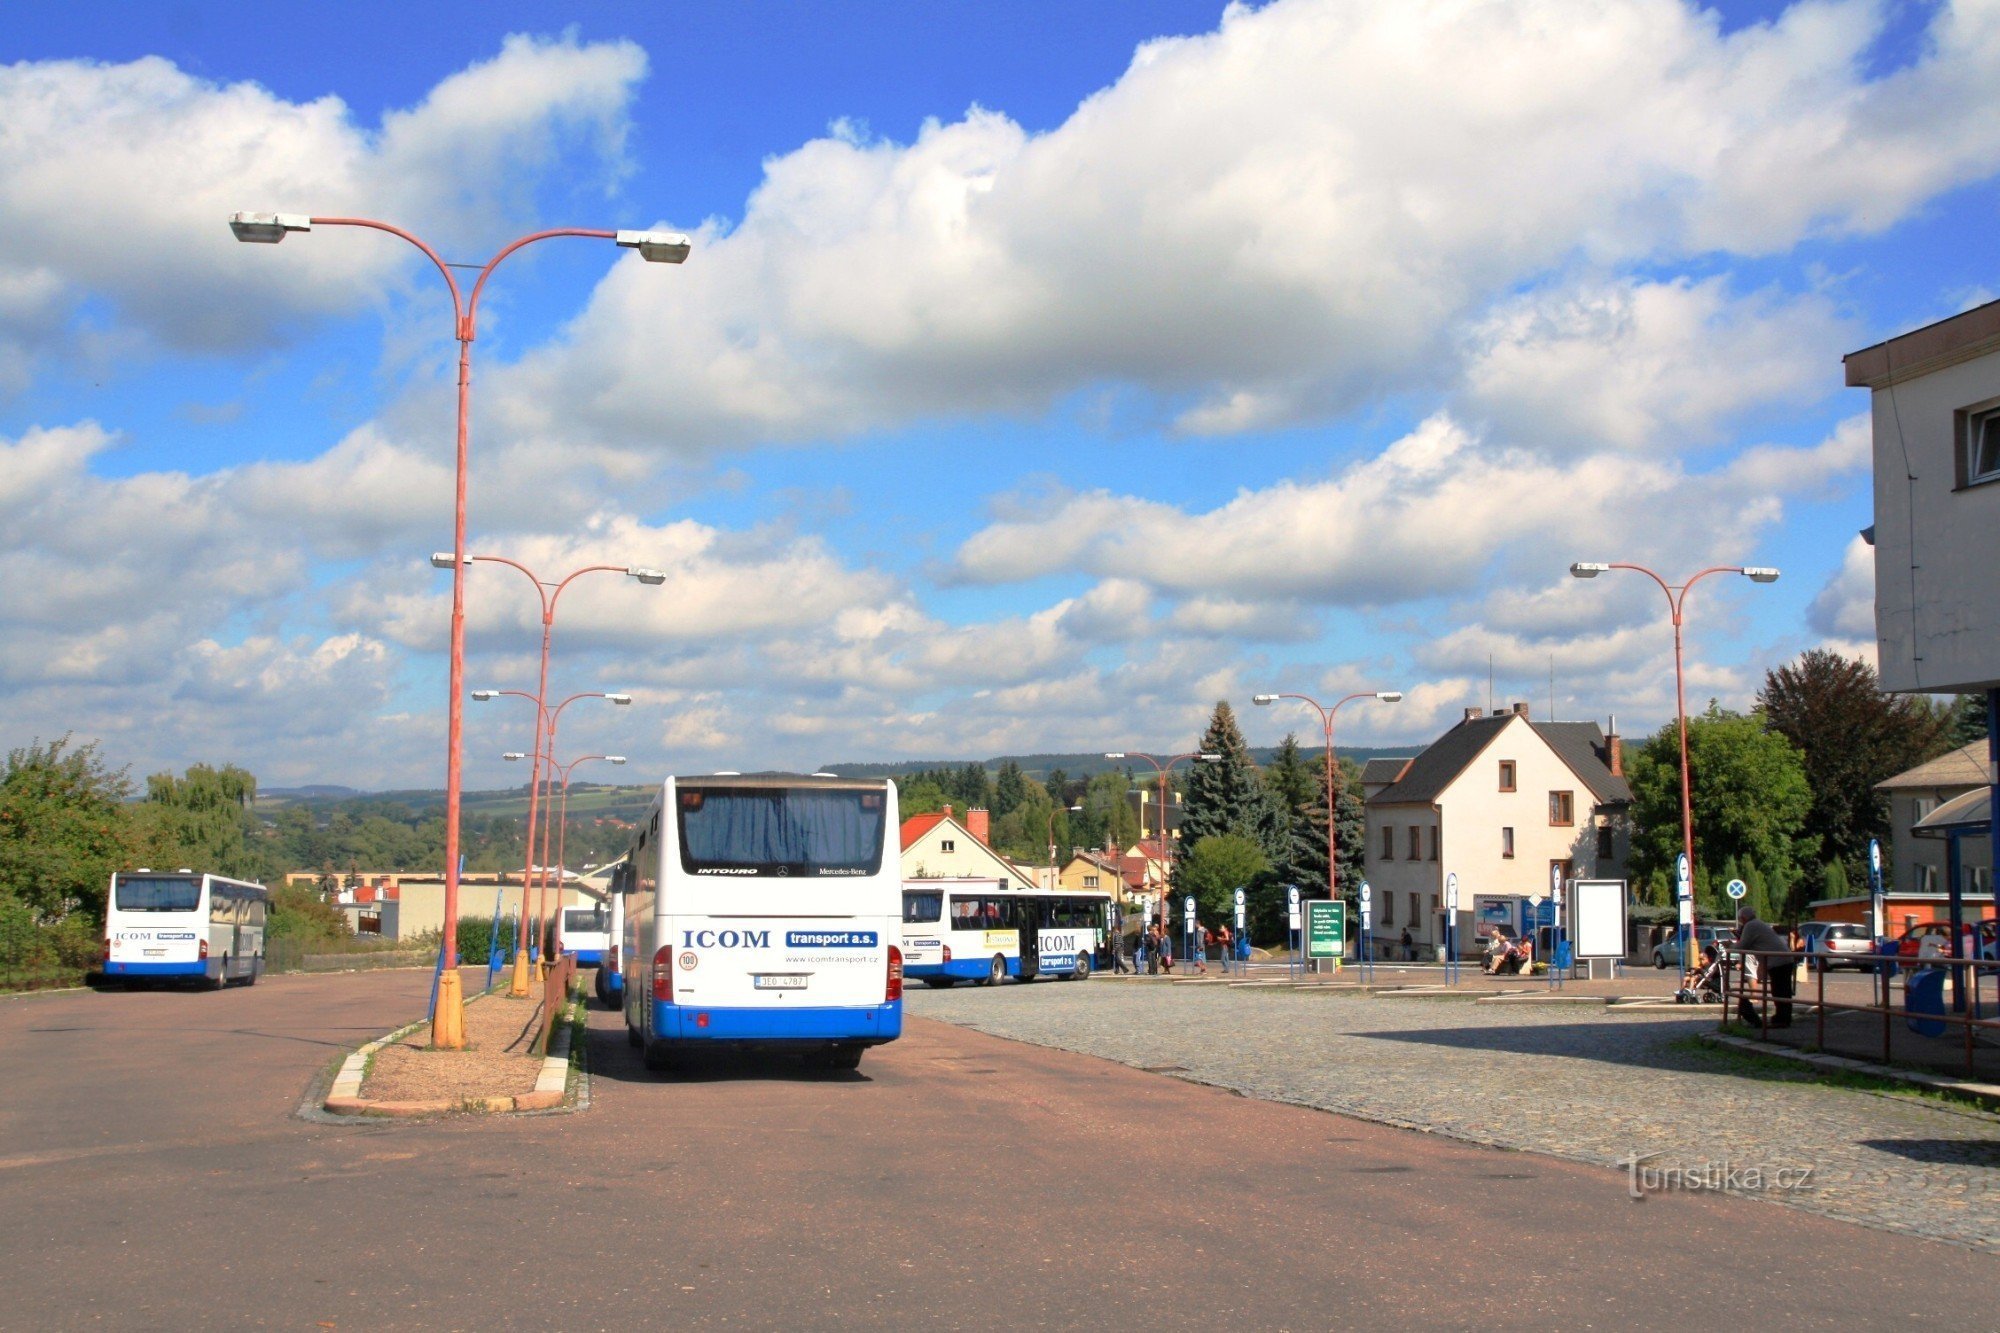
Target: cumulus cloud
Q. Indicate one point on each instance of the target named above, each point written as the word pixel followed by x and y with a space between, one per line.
pixel 1290 215
pixel 104 162
pixel 1844 609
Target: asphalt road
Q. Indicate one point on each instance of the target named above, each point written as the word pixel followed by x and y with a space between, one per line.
pixel 153 1175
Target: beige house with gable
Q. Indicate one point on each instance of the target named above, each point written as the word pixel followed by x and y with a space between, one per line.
pixel 1501 801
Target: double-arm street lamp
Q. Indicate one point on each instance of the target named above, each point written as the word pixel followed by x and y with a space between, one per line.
pixel 1677 604
pixel 1161 770
pixel 1332 767
pixel 562 834
pixel 1052 836
pixel 545 739
pixel 448 1019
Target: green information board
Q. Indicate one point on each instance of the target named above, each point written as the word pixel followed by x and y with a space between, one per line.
pixel 1326 929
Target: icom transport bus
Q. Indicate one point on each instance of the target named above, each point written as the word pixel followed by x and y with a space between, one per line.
pixel 178 925
pixel 982 931
pixel 761 912
pixel 586 934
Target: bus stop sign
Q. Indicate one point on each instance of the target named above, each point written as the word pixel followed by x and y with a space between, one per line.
pixel 1326 928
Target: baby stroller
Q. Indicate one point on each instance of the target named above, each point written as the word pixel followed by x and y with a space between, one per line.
pixel 1704 984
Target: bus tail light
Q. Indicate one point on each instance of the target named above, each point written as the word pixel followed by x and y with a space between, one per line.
pixel 106 955
pixel 663 975
pixel 611 959
pixel 895 974
pixel 204 951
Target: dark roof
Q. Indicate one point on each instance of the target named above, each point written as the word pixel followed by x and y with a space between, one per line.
pixel 1960 337
pixel 1381 770
pixel 1580 745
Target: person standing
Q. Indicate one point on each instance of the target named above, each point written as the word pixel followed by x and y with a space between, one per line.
pixel 1118 948
pixel 1409 946
pixel 1759 937
pixel 1228 943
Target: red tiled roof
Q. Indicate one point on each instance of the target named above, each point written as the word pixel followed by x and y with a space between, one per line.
pixel 917 825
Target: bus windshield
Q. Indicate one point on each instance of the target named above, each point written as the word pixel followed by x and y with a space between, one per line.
pixel 781 831
pixel 578 920
pixel 922 908
pixel 157 893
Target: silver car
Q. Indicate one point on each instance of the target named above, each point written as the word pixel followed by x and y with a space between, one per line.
pixel 1834 944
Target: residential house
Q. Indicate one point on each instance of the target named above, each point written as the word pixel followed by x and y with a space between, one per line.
pixel 939 846
pixel 1917 865
pixel 1501 801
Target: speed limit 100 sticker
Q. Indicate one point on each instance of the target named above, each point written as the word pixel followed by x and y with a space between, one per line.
pixel 689 960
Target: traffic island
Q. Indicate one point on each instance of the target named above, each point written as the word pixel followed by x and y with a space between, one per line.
pixel 497 1071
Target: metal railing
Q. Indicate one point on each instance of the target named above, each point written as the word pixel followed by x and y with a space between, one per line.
pixel 555 1000
pixel 1741 989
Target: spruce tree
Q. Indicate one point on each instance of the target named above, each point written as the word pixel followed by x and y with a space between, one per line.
pixel 1968 720
pixel 1350 832
pixel 1229 795
pixel 1009 790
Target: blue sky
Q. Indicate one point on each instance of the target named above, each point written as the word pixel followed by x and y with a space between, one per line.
pixel 1041 373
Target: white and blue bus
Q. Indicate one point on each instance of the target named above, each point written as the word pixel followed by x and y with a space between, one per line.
pixel 981 930
pixel 761 912
pixel 586 934
pixel 179 925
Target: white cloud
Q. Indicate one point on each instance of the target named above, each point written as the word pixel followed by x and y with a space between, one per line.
pixel 1844 609
pixel 1295 213
pixel 117 180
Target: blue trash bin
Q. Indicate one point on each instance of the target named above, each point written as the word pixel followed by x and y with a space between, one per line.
pixel 1923 994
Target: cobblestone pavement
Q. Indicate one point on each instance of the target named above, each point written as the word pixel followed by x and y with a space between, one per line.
pixel 1583 1082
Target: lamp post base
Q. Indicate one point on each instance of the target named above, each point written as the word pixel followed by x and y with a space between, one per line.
pixel 448 1023
pixel 517 987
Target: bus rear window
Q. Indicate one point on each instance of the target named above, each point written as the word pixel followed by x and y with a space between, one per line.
pixel 794 831
pixel 157 893
pixel 921 909
pixel 583 920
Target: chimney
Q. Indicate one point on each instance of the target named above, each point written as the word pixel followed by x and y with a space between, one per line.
pixel 1471 715
pixel 1614 746
pixel 1521 709
pixel 979 823
pixel 947 809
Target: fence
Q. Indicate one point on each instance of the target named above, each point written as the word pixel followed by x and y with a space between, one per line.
pixel 1925 1021
pixel 555 999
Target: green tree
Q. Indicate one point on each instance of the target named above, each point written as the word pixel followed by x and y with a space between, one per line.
pixel 1215 867
pixel 1057 786
pixel 920 797
pixel 1350 832
pixel 1107 818
pixel 1968 720
pixel 63 828
pixel 1834 881
pixel 1750 799
pixel 1850 736
pixel 1229 794
pixel 198 820
pixel 1009 790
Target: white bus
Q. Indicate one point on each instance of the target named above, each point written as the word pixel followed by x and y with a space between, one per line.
pixel 179 925
pixel 586 934
pixel 761 912
pixel 982 931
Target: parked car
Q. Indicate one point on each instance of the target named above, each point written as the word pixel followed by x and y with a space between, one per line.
pixel 1910 943
pixel 1838 944
pixel 1667 953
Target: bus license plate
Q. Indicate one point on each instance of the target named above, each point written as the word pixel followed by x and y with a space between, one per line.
pixel 779 983
pixel 155 953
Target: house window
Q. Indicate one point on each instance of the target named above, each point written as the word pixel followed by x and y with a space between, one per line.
pixel 1416 846
pixel 1506 775
pixel 1927 879
pixel 1561 869
pixel 1921 806
pixel 1507 842
pixel 1090 881
pixel 1388 842
pixel 1979 445
pixel 1562 807
pixel 947 845
pixel 1604 842
pixel 1434 842
pixel 1388 909
pixel 1416 909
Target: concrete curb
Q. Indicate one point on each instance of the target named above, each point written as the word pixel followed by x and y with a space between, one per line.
pixel 551 1084
pixel 1986 1094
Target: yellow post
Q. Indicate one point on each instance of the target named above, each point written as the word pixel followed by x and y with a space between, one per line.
pixel 448 1023
pixel 517 988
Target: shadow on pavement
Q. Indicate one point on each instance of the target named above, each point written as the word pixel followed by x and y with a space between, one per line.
pixel 612 1058
pixel 1946 1152
pixel 1655 1045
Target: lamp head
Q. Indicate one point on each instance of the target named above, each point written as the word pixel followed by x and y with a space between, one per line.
pixel 1263 698
pixel 512 755
pixel 445 559
pixel 1584 569
pixel 614 758
pixel 1209 758
pixel 484 695
pixel 267 228
pixel 657 247
pixel 1114 754
pixel 1389 696
pixel 653 577
pixel 1760 573
pixel 620 699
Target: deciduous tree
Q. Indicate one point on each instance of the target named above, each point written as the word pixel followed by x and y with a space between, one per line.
pixel 63 828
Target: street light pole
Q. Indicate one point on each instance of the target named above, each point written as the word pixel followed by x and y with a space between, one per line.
pixel 1332 769
pixel 448 1018
pixel 1676 605
pixel 1052 840
pixel 562 830
pixel 1161 770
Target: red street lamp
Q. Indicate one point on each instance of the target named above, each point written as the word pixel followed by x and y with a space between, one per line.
pixel 1162 770
pixel 545 726
pixel 1052 838
pixel 1677 604
pixel 562 833
pixel 1332 768
pixel 448 1019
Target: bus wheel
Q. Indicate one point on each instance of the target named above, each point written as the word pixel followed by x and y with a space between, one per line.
pixel 1082 972
pixel 221 978
pixel 256 970
pixel 632 1037
pixel 938 983
pixel 997 973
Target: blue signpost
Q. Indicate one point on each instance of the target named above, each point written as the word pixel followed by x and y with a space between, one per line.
pixel 1242 925
pixel 1193 951
pixel 1294 927
pixel 1684 890
pixel 1366 939
pixel 494 960
pixel 1558 955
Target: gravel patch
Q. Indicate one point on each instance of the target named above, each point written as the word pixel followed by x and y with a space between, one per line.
pixel 1588 1083
pixel 494 1063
